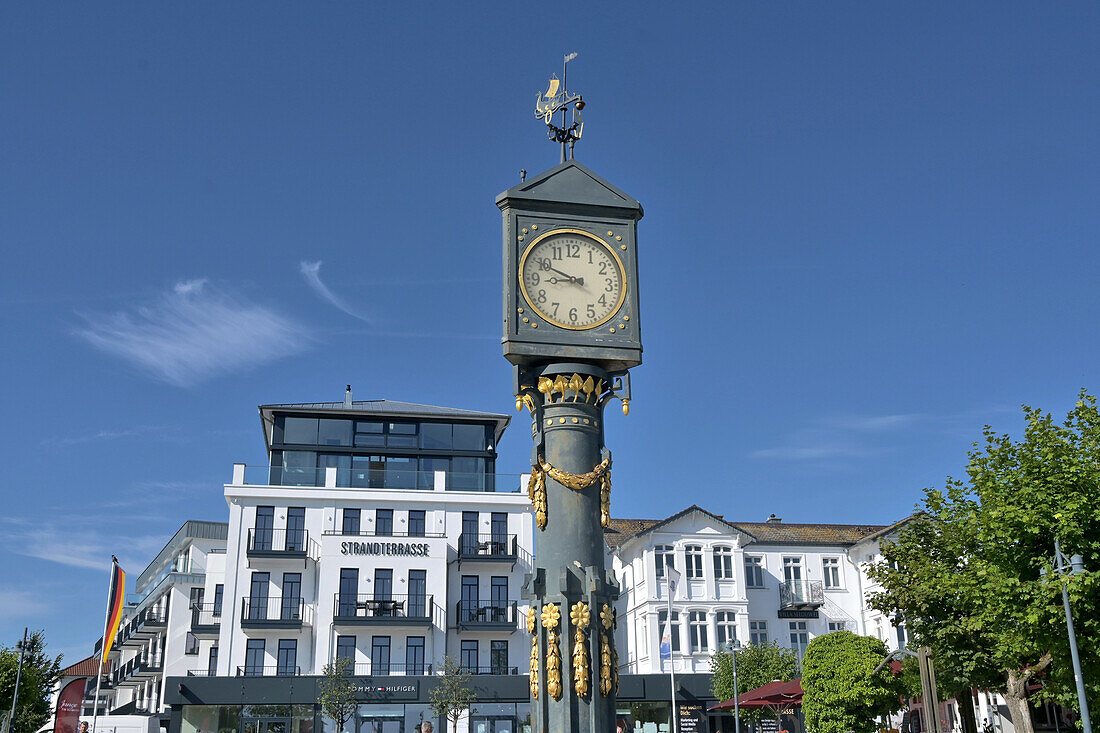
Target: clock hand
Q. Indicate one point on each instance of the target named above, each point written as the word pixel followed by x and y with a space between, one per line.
pixel 578 280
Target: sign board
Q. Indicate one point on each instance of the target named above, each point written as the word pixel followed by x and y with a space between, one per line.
pixel 693 719
pixel 797 613
pixel 382 688
pixel 768 725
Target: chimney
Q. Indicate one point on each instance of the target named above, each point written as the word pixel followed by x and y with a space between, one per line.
pixel 772 519
pixel 347 400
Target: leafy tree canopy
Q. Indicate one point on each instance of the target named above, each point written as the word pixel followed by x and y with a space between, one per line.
pixel 452 695
pixel 40 674
pixel 337 693
pixel 840 689
pixel 965 571
pixel 757 664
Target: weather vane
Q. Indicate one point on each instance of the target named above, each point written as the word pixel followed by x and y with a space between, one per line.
pixel 559 98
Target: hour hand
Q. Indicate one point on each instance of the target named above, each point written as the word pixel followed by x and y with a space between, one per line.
pixel 578 280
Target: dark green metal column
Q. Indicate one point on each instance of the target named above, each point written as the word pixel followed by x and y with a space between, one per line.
pixel 569 554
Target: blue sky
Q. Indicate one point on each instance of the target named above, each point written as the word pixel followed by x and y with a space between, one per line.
pixel 870 230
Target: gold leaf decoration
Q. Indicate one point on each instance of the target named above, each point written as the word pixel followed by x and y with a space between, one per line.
pixel 532 618
pixel 606 668
pixel 550 616
pixel 536 487
pixel 581 618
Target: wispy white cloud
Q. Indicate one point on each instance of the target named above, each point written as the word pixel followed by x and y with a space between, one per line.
pixel 79 541
pixel 22 602
pixel 194 333
pixel 875 423
pixel 311 271
pixel 807 451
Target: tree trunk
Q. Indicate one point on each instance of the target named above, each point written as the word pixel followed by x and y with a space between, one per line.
pixel 965 699
pixel 1016 698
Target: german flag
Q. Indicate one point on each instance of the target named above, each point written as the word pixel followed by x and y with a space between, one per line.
pixel 114 606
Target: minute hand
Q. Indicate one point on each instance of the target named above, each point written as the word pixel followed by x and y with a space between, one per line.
pixel 577 280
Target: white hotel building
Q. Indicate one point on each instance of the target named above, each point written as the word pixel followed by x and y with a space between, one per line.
pixel 381 532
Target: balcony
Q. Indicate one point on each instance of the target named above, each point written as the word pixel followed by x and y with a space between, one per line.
pixel 206 619
pixel 152 666
pixel 801 595
pixel 274 671
pixel 384 669
pixel 275 613
pixel 486 615
pixel 496 669
pixel 383 477
pixel 369 610
pixel 287 544
pixel 502 548
pixel 146 624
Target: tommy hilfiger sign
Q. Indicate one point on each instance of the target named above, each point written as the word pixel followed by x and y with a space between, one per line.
pixel 384 548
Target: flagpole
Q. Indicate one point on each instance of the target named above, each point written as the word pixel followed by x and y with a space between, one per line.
pixel 672 657
pixel 99 662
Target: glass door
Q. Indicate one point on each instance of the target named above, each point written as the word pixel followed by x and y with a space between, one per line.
pixel 381 724
pixel 264 725
pixel 265 523
pixel 493 724
pixel 295 529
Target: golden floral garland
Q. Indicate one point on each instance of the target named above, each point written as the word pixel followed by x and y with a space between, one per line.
pixel 551 616
pixel 581 618
pixel 532 619
pixel 536 487
pixel 608 672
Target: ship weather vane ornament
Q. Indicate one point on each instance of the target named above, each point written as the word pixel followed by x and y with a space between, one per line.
pixel 558 99
pixel 572 332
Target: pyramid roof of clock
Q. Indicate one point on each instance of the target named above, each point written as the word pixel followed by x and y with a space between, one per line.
pixel 572 184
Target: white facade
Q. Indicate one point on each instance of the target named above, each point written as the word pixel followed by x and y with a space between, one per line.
pixel 753 582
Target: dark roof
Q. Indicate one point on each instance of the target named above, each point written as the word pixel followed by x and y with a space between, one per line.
pixel 390 408
pixel 84 668
pixel 191 529
pixel 778 532
pixel 571 183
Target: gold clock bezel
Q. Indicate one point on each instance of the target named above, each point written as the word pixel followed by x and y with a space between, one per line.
pixel 614 255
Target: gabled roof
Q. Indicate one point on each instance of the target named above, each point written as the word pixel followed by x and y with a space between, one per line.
pixel 891 527
pixel 622 530
pixel 775 532
pixel 390 408
pixel 571 183
pixel 84 668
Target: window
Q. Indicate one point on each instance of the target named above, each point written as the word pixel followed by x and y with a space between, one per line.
pixel 345 648
pixel 792 569
pixel 219 595
pixel 643 638
pixel 830 571
pixel 288 657
pixel 383 522
pixel 758 632
pixel 754 571
pixel 400 472
pixel 468 655
pixel 723 563
pixel 499 597
pixel 467 474
pixel 664 559
pixel 197 595
pixel 383 584
pixel 257 596
pixel 697 631
pixel 428 468
pixel 416 523
pixel 435 436
pixel 401 434
pixel 333 432
pixel 380 655
pixel 265 527
pixel 349 592
pixel 693 554
pixel 662 618
pixel 726 627
pixel 498 657
pixel 369 434
pixel 295 529
pixel 292 596
pixel 191 644
pixel 498 532
pixel 212 662
pixel 902 636
pixel 414 655
pixel 469 599
pixel 300 430
pixel 418 599
pixel 469 533
pixel 350 522
pixel 470 437
pixel 837 626
pixel 254 657
pixel 800 638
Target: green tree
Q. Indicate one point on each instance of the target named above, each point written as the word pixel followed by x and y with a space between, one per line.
pixel 965 572
pixel 40 674
pixel 337 695
pixel 840 689
pixel 757 664
pixel 452 695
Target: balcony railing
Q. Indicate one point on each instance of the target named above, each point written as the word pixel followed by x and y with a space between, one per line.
pixel 147 623
pixel 377 478
pixel 379 669
pixel 486 614
pixel 493 669
pixel 804 595
pixel 395 610
pixel 284 613
pixel 279 670
pixel 206 619
pixel 492 546
pixel 293 543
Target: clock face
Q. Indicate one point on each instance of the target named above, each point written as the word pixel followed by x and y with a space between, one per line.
pixel 572 279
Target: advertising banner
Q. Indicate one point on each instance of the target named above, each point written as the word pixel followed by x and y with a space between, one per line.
pixel 69 703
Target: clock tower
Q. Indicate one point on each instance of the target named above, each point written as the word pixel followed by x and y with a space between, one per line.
pixel 572 330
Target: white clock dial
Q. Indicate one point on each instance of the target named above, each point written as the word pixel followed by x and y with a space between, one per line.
pixel 572 279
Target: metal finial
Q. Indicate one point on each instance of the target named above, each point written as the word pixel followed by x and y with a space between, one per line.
pixel 558 98
pixel 522 175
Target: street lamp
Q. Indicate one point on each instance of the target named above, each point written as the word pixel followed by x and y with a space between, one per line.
pixel 22 646
pixel 732 647
pixel 1076 566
